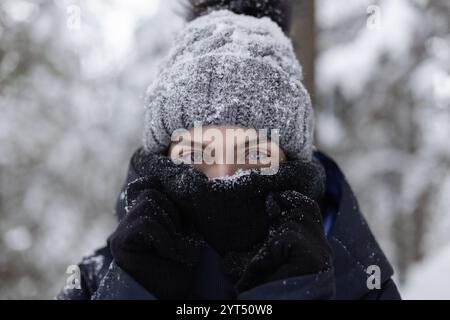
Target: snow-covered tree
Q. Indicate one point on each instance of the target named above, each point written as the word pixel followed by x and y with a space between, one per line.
pixel 383 86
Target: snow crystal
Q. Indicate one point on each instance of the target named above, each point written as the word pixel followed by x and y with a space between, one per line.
pixel 239 173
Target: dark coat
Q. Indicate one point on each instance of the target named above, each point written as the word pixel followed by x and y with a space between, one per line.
pixel 354 246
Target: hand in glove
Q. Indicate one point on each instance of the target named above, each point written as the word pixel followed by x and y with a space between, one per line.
pixel 296 244
pixel 153 244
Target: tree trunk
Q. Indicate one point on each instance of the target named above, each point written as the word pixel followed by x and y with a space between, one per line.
pixel 304 39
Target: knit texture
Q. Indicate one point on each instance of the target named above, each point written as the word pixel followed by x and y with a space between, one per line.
pixel 231 69
pixel 229 212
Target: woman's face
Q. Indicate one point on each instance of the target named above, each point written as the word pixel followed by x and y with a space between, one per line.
pixel 220 151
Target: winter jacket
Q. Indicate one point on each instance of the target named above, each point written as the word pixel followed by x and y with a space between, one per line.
pixel 353 244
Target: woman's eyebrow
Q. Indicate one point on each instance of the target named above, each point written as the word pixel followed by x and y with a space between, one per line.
pixel 197 144
pixel 254 141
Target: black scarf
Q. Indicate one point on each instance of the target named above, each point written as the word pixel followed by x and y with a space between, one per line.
pixel 229 212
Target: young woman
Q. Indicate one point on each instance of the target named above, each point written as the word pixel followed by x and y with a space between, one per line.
pixel 201 215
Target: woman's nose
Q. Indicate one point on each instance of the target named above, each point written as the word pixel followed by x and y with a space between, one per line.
pixel 220 170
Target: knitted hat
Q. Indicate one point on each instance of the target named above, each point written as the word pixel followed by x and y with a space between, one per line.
pixel 231 69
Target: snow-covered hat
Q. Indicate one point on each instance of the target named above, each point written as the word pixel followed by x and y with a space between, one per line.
pixel 231 69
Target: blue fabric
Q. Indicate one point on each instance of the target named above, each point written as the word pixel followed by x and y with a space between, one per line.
pixel 309 287
pixel 354 247
pixel 118 285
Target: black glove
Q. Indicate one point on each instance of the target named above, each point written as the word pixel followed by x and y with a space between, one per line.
pixel 153 243
pixel 296 244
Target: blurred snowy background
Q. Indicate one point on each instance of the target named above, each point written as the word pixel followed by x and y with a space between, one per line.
pixel 72 78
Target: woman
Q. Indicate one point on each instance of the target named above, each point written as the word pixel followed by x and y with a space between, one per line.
pixel 201 215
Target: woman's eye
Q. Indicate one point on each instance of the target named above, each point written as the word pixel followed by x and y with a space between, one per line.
pixel 191 157
pixel 256 155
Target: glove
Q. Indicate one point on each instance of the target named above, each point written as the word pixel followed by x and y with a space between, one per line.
pixel 153 244
pixel 296 244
